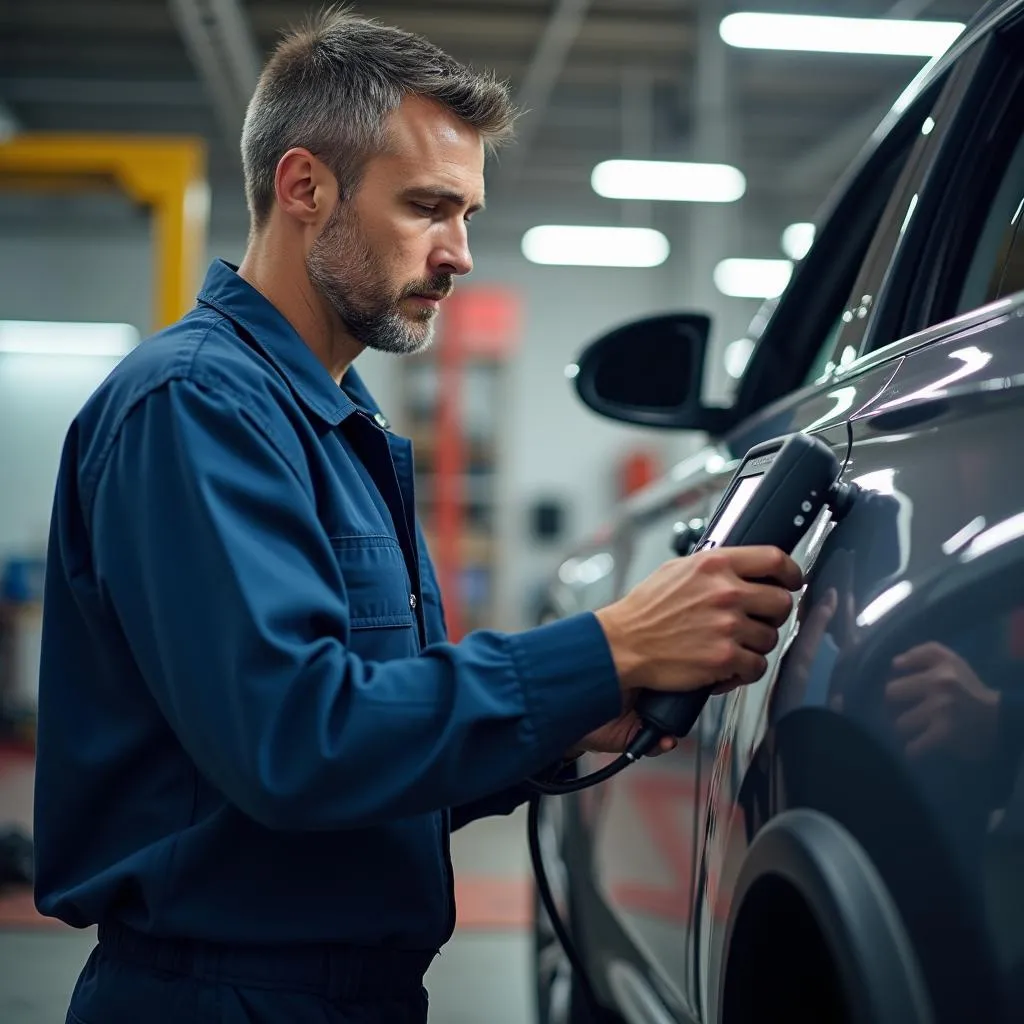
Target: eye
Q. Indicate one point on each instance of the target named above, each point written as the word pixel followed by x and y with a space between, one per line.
pixel 427 211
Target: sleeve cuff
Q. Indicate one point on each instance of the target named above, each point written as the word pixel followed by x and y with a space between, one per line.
pixel 569 681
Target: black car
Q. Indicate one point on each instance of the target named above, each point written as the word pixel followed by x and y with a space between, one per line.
pixel 844 839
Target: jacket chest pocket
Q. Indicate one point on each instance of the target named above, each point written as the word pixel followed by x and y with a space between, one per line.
pixel 382 621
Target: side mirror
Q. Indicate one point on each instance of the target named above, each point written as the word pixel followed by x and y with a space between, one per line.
pixel 650 372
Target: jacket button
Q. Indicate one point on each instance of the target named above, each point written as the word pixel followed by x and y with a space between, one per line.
pixel 412 601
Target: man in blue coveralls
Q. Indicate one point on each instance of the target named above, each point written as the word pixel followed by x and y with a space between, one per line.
pixel 254 739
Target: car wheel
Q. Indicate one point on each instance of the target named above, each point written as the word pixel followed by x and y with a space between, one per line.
pixel 558 997
pixel 845 955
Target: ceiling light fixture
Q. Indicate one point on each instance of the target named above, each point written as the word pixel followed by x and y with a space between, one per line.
pixel 797 240
pixel 736 356
pixel 826 34
pixel 573 245
pixel 752 279
pixel 668 180
pixel 56 338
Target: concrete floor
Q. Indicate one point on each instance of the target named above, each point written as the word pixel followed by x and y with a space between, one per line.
pixel 482 975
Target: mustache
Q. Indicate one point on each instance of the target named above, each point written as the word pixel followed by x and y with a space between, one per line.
pixel 440 286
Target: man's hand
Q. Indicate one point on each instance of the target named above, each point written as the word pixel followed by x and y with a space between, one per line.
pixel 702 620
pixel 615 736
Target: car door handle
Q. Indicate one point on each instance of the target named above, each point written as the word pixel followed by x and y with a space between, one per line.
pixel 686 535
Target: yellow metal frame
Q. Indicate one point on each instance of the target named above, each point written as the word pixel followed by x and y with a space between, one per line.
pixel 167 174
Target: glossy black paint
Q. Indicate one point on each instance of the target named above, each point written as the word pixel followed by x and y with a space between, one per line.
pixel 894 707
pixel 929 566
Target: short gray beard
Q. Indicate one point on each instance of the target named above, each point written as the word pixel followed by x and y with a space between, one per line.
pixel 353 281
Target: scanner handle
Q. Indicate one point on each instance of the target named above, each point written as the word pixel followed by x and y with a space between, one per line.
pixel 802 478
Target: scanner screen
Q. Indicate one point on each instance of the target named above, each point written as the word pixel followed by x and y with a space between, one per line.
pixel 737 503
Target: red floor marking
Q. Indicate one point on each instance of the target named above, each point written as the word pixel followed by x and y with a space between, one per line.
pixel 493 903
pixel 657 800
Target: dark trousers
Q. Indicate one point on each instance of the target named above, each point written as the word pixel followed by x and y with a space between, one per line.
pixel 130 979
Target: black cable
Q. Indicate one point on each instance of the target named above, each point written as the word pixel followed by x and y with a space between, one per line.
pixel 642 744
pixel 644 741
pixel 548 899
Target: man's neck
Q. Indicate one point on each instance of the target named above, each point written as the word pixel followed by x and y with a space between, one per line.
pixel 280 277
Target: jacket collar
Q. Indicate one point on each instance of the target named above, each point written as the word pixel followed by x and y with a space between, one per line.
pixel 232 296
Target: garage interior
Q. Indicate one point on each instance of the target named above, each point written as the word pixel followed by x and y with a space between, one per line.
pixel 113 112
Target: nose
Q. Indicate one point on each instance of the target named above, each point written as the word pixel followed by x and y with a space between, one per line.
pixel 451 255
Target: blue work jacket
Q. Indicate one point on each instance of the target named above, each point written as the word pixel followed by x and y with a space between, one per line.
pixel 251 725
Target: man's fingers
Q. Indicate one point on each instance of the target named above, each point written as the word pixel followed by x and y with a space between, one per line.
pixel 771 604
pixel 759 562
pixel 728 686
pixel 758 636
pixel 665 744
pixel 749 667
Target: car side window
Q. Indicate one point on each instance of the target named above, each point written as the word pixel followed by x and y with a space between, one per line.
pixel 823 361
pixel 1013 270
pixel 796 341
pixel 985 195
pixel 953 245
pixel 875 304
pixel 985 279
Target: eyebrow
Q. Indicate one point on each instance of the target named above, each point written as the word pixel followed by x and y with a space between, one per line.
pixel 450 195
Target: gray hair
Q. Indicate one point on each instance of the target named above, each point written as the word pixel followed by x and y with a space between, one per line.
pixel 330 86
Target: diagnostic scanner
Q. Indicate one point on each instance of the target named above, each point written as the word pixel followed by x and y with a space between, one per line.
pixel 773 498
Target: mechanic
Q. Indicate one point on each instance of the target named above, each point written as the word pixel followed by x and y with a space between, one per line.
pixel 254 739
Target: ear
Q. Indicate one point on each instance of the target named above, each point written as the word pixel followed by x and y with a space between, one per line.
pixel 305 188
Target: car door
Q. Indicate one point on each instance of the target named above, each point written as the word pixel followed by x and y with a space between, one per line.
pixel 644 828
pixel 936 438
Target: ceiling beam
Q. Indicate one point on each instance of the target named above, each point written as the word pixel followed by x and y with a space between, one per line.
pixel 221 44
pixel 542 75
pixel 79 92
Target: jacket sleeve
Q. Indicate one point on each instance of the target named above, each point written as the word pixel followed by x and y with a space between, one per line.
pixel 509 799
pixel 208 549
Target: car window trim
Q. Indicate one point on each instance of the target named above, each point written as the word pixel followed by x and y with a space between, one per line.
pixel 1008 305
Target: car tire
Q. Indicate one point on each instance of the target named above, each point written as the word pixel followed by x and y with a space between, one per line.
pixel 844 956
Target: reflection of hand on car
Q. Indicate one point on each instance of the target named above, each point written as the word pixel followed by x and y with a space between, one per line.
pixel 811 657
pixel 941 703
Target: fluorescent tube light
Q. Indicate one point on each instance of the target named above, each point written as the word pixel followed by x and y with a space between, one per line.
pixel 752 279
pixel 668 180
pixel 571 245
pixel 737 355
pixel 826 34
pixel 53 338
pixel 797 240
